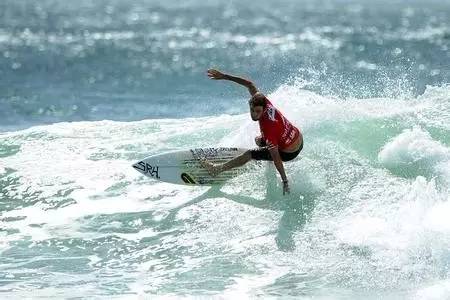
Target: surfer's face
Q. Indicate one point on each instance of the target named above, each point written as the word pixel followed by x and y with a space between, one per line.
pixel 256 112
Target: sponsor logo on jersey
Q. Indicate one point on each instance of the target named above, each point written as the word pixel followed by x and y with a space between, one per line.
pixel 271 113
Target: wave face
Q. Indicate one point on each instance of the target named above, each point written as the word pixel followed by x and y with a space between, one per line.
pixel 367 216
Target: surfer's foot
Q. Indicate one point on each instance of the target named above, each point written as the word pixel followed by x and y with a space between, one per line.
pixel 212 169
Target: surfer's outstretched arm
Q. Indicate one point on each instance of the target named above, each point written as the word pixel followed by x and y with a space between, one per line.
pixel 217 75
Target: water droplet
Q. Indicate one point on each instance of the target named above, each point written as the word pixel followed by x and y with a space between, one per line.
pixel 16 66
pixel 397 51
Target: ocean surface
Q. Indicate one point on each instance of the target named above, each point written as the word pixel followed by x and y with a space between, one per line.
pixel 89 87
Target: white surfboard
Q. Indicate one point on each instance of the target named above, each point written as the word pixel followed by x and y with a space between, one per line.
pixel 183 167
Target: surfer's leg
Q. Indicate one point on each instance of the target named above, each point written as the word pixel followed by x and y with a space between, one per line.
pixel 261 153
pixel 236 162
pixel 216 169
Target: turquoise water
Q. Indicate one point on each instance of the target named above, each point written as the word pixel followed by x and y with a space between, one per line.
pixel 88 89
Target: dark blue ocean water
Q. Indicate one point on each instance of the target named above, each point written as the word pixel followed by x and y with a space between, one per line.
pixel 133 60
pixel 89 87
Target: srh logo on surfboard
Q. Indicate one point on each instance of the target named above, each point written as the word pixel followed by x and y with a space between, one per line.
pixel 146 168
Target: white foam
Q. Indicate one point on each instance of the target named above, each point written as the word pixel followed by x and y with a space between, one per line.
pixel 306 108
pixel 84 161
pixel 397 219
pixel 437 219
pixel 400 228
pixel 244 287
pixel 437 291
pixel 413 146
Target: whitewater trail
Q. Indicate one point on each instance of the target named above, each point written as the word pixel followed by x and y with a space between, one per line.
pixel 367 209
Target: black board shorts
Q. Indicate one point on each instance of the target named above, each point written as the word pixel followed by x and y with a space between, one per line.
pixel 263 153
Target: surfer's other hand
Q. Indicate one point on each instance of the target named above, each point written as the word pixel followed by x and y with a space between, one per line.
pixel 215 74
pixel 286 189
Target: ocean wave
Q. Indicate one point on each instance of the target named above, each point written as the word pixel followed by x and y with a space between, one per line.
pixel 351 220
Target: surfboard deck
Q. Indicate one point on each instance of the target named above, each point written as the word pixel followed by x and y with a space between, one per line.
pixel 183 167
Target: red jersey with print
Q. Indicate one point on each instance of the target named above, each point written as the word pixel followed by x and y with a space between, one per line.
pixel 276 129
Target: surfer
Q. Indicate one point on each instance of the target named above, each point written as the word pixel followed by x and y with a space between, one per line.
pixel 279 141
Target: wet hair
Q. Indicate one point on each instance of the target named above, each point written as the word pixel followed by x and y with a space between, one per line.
pixel 258 99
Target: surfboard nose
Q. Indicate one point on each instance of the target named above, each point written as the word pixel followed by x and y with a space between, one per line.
pixel 183 167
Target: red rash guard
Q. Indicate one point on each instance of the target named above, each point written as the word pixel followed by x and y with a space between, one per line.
pixel 276 129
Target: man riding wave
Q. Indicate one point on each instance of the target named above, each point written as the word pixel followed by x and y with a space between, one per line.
pixel 279 141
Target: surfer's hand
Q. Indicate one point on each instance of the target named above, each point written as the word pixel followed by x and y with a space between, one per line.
pixel 286 189
pixel 259 141
pixel 215 74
